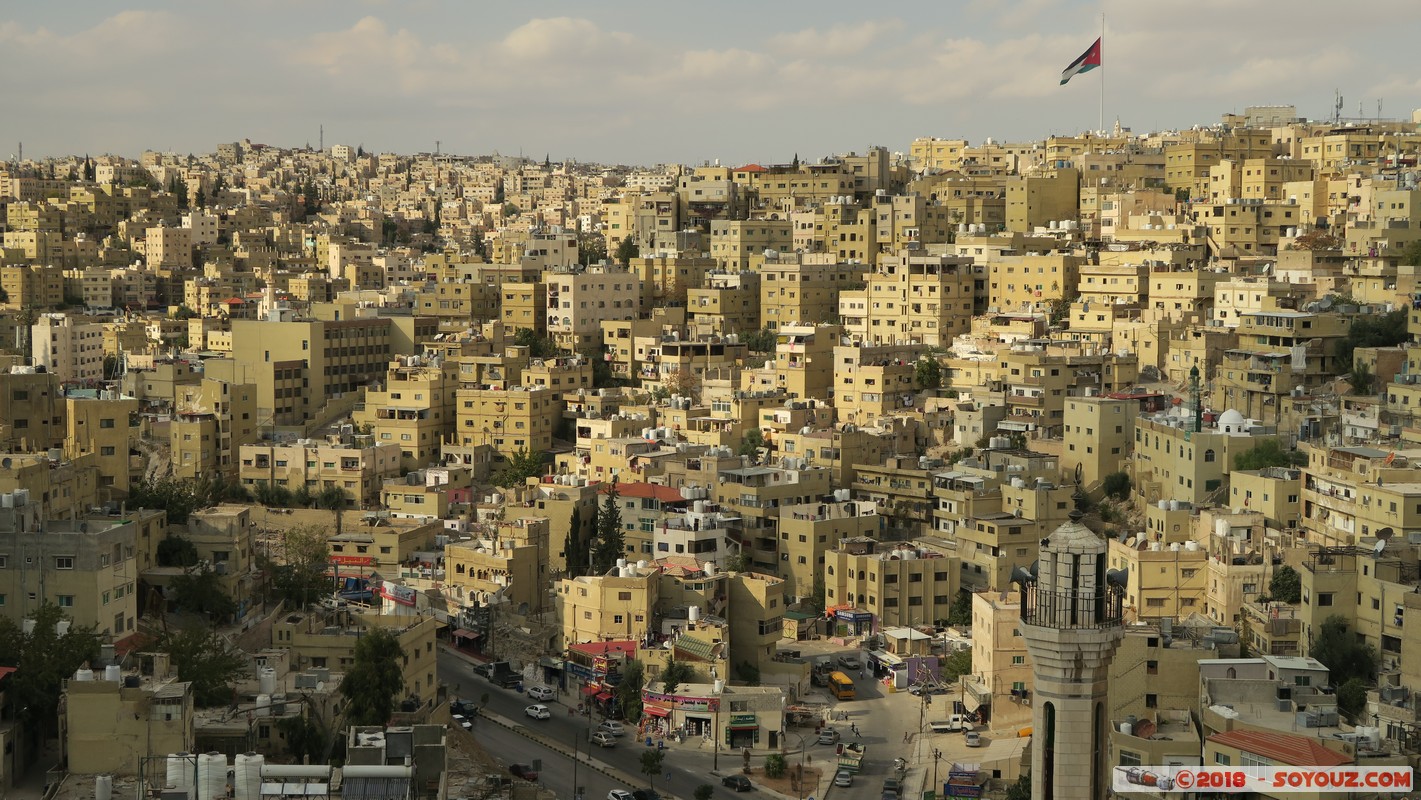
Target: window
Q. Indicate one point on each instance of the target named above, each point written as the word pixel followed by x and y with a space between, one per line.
pixel 1324 598
pixel 1151 701
pixel 1220 758
pixel 1247 759
pixel 1129 759
pixel 64 562
pixel 66 601
pixel 1151 667
pixel 106 423
pixel 1018 660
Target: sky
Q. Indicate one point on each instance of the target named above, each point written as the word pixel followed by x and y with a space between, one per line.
pixel 661 81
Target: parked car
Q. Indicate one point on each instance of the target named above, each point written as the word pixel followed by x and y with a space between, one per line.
pixel 604 739
pixel 613 727
pixel 739 783
pixel 892 787
pixel 918 689
pixel 462 721
pixel 843 778
pixel 829 736
pixel 542 692
pixel 523 771
pixel 645 794
pixel 974 739
pixel 850 662
pixel 619 794
pixel 483 670
pixel 538 712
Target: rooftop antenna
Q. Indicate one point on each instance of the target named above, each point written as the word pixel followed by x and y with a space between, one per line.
pixel 1337 108
pixel 323 138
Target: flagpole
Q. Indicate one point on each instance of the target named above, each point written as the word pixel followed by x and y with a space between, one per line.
pixel 1102 73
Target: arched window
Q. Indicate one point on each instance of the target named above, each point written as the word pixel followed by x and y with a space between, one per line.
pixel 1208 455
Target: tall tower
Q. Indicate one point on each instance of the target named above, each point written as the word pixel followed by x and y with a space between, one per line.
pixel 1071 619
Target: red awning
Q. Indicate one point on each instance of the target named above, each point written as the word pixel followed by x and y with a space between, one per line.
pixel 590 689
pixel 462 633
pixel 604 696
pixel 653 711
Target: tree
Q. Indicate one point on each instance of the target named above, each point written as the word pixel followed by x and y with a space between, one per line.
pixel 374 679
pixel 1411 254
pixel 538 346
pixel 961 611
pixel 43 659
pixel 761 341
pixel 674 674
pixel 591 248
pixel 1117 485
pixel 1361 379
pixel 751 443
pixel 333 499
pixel 740 562
pixel 1372 330
pixel 574 554
pixel 956 665
pixel 1345 656
pixel 1286 585
pixel 519 467
pixel 178 498
pixel 748 673
pixel 1352 697
pixel 511 210
pixel 306 741
pixel 611 543
pixel 651 761
pixel 704 792
pixel 774 766
pixel 176 551
pixel 206 660
pixel 814 604
pixel 628 691
pixel 198 592
pixel 928 373
pixel 301 577
pixel 1021 790
pixel 1267 453
pixel 627 249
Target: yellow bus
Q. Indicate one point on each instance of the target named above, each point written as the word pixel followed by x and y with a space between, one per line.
pixel 841 686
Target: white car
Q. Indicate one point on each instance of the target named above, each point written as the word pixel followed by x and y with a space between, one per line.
pixel 538 712
pixel 619 794
pixel 462 721
pixel 542 693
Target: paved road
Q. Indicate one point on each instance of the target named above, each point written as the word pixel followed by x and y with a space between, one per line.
pixel 689 768
pixel 557 771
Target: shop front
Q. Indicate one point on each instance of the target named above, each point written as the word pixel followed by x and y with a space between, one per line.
pixel 850 621
pixel 743 730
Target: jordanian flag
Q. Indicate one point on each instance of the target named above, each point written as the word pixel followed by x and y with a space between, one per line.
pixel 1088 61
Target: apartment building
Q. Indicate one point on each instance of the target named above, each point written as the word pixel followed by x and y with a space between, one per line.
pixel 359 469
pixel 727 303
pixel 112 719
pixel 579 301
pixel 212 421
pixel 86 566
pixel 509 421
pixel 1032 282
pixel 1098 434
pixel 872 381
pixel 396 547
pixel 799 290
pixel 911 298
pixel 1349 493
pixel 809 531
pixel 413 409
pixel 1000 686
pixel 1278 351
pixel 1034 201
pixel 68 347
pixel 899 584
pixel 615 606
pixel 323 638
pixel 1173 460
pixel 757 494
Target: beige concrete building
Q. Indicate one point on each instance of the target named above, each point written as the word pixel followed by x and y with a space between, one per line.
pixel 1098 434
pixel 212 421
pixel 580 301
pixel 615 606
pixel 518 419
pixel 909 585
pixel 413 409
pixel 326 639
pixel 109 726
pixel 68 347
pixel 103 426
pixel 86 567
pixel 360 470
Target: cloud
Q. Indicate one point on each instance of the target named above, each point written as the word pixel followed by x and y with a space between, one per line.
pixel 835 42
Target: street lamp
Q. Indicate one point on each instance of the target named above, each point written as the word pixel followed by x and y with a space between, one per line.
pixel 937 754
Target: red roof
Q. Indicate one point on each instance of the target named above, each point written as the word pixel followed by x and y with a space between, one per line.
pixel 1282 747
pixel 655 491
pixel 234 301
pixel 751 168
pixel 605 648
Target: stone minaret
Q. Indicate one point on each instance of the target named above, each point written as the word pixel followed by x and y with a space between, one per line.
pixel 1071 618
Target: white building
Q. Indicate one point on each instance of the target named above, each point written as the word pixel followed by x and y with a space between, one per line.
pixel 72 350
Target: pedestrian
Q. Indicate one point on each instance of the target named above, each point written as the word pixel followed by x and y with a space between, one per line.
pixel 862 674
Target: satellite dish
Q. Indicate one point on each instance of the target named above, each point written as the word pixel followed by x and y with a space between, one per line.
pixel 1381 545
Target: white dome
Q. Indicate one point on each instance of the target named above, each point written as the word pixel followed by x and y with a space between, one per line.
pixel 1230 419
